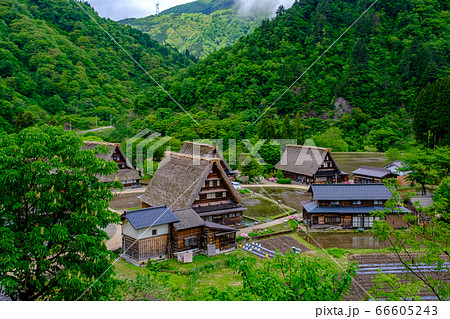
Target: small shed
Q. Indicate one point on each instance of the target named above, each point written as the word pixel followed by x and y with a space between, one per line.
pixel 146 233
pixel 367 175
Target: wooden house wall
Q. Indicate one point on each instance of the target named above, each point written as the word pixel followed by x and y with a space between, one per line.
pixel 130 247
pixel 180 235
pixel 153 247
pixel 214 176
pixel 396 221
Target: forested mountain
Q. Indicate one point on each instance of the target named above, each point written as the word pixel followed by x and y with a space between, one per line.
pixel 200 27
pixel 377 69
pixel 55 60
pixel 201 6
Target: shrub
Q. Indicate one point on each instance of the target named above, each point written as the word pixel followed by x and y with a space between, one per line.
pixel 336 252
pixel 284 181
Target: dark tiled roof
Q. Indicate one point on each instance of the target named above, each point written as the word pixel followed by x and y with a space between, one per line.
pixel 350 192
pixel 152 216
pixel 372 171
pixel 219 227
pixel 188 219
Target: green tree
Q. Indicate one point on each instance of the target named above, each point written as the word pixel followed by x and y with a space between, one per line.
pixel 23 120
pixel 286 130
pixel 253 169
pixel 51 218
pixel 421 168
pixel 331 138
pixel 423 243
pixel 292 277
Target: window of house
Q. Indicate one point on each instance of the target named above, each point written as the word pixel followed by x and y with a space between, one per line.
pixel 321 179
pixel 232 214
pixel 332 220
pixel 190 241
pixel 334 203
pixel 357 221
pixel 198 197
pixel 211 183
pixel 218 183
pixel 154 232
pixel 378 202
pixel 209 218
pixel 211 195
pixel 356 202
pixel 224 194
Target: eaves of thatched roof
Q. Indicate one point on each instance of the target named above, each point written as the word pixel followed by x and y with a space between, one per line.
pixel 302 160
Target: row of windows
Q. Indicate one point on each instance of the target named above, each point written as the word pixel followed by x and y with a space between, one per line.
pixel 363 221
pixel 356 202
pixel 214 195
pixel 332 220
pixel 210 218
pixel 211 183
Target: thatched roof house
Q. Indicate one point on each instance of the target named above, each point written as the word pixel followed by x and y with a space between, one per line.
pixel 127 175
pixel 310 164
pixel 206 151
pixel 184 181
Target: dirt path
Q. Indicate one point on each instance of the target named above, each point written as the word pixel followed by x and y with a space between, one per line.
pixel 261 226
pixel 115 233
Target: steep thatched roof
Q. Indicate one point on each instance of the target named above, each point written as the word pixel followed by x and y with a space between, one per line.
pixel 302 160
pixel 179 179
pixel 126 174
pixel 203 150
pixel 122 175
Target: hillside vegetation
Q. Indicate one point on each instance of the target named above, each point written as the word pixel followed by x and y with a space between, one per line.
pixel 55 60
pixel 377 70
pixel 200 27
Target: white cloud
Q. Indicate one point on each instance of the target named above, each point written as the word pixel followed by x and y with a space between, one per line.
pixel 121 9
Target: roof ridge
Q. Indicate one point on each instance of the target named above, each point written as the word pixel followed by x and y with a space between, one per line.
pixel 371 167
pixel 212 159
pixel 102 143
pixel 202 144
pixel 316 147
pixel 146 208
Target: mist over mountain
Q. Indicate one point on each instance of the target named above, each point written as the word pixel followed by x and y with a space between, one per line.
pixel 255 7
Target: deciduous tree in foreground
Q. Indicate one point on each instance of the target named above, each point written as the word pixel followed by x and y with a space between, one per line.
pixel 52 212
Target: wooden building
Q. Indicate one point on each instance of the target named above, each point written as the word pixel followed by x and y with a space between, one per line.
pixel 127 175
pixel 184 181
pixel 308 164
pixel 146 233
pixel 348 206
pixel 367 174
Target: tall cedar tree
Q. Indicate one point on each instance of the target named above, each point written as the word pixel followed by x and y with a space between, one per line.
pixel 53 209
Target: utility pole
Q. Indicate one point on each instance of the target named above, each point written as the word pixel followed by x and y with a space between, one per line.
pixel 157 8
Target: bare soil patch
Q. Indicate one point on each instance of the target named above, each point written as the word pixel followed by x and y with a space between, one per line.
pixel 282 243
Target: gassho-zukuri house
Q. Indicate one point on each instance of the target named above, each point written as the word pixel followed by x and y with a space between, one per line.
pixel 126 174
pixel 160 233
pixel 183 181
pixel 349 206
pixel 308 164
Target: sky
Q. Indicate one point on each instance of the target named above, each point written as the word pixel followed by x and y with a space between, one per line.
pixel 121 9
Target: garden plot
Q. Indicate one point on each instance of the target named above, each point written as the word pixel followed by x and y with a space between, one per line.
pixel 282 244
pixel 371 265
